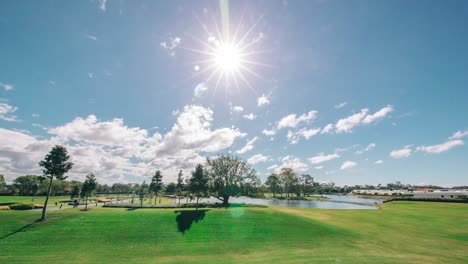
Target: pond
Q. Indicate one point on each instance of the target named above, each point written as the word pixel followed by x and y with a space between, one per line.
pixel 335 202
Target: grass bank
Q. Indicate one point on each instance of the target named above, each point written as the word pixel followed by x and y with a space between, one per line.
pixel 401 232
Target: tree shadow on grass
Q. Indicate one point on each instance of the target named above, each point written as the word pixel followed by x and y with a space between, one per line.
pixel 186 218
pixel 20 230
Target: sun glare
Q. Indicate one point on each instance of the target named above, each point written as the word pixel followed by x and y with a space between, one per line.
pixel 227 58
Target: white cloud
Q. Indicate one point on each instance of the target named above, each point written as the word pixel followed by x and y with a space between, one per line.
pixel 323 158
pixel 369 147
pixel 200 89
pixel 257 159
pixel 35 115
pixel 114 151
pixel 318 167
pixel 102 5
pixel 263 100
pixel 378 162
pixel 401 153
pixel 250 116
pixel 170 45
pixel 90 75
pixel 268 132
pixel 348 165
pixel 248 146
pixel 237 108
pixel 6 86
pixel 272 167
pixel 327 129
pixel 292 162
pixel 340 105
pixel 459 134
pixel 91 37
pixel 294 137
pixel 439 148
pixel 346 124
pixel 293 120
pixel 6 112
pixel 382 113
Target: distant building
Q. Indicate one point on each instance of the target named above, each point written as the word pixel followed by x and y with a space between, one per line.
pixel 423 193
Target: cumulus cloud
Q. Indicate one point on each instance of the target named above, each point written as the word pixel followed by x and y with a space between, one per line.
pixel 102 5
pixel 6 86
pixel 293 120
pixel 200 89
pixel 268 132
pixel 378 162
pixel 291 162
pixel 257 159
pixel 345 125
pixel 294 137
pixel 237 108
pixel 439 148
pixel 323 158
pixel 459 134
pixel 401 153
pixel 348 165
pixel 171 44
pixel 318 167
pixel 369 147
pixel 340 105
pixel 248 146
pixel 250 116
pixel 91 37
pixel 382 113
pixel 263 100
pixel 327 129
pixel 114 151
pixel 6 112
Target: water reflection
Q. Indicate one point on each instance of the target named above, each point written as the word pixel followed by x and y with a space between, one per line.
pixel 335 202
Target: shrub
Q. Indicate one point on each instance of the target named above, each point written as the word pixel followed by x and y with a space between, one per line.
pixel 4 207
pixel 38 206
pixel 21 206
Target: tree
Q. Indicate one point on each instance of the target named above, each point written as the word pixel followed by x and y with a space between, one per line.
pixel 55 165
pixel 170 188
pixel 142 191
pixel 307 184
pixel 289 179
pixel 227 175
pixel 89 186
pixel 273 183
pixel 180 185
pixel 198 184
pixel 2 182
pixel 27 184
pixel 76 189
pixel 156 185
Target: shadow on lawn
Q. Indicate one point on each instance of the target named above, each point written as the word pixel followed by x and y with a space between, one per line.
pixel 19 230
pixel 186 218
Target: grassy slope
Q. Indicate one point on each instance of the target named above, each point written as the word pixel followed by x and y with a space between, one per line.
pixel 402 232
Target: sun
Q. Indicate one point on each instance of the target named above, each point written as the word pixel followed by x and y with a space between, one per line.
pixel 227 58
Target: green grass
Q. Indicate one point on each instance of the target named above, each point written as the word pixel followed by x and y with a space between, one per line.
pixel 401 232
pixel 28 199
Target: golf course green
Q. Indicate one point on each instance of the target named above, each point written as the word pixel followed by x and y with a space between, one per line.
pixel 400 232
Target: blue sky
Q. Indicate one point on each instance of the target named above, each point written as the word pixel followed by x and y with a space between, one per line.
pixel 116 82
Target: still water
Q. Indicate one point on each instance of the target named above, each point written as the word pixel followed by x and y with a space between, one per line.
pixel 334 202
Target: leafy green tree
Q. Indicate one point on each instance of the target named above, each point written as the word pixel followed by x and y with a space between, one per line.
pixel 89 186
pixel 55 164
pixel 76 189
pixel 27 184
pixel 274 184
pixel 198 184
pixel 143 189
pixel 227 175
pixel 171 188
pixel 156 185
pixel 2 182
pixel 289 179
pixel 180 185
pixel 307 182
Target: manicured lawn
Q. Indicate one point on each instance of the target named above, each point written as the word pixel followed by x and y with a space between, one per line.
pixel 401 232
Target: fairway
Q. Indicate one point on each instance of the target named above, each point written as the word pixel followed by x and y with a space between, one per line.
pixel 400 232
